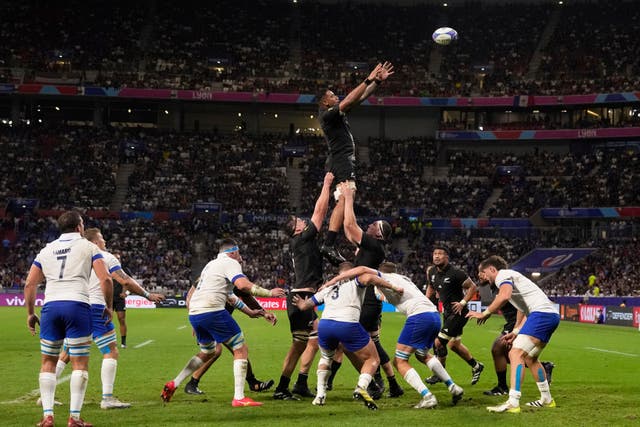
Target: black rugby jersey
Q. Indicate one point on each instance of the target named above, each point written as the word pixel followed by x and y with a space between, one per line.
pixel 307 260
pixel 371 254
pixel 337 133
pixel 448 284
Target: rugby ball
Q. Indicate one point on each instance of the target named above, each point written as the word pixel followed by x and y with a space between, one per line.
pixel 444 35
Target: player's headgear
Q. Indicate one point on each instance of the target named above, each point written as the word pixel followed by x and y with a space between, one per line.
pixel 384 229
pixel 228 245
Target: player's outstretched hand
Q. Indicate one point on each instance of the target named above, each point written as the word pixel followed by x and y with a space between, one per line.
pixel 374 73
pixel 271 318
pixel 385 71
pixel 156 297
pixel 107 315
pixel 278 293
pixel 457 307
pixel 507 339
pixel 481 318
pixel 301 303
pixel 255 313
pixel 32 321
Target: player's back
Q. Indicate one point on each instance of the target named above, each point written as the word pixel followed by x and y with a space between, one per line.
pixel 342 301
pixel 66 264
pixel 526 296
pixel 411 301
pixel 95 291
pixel 215 285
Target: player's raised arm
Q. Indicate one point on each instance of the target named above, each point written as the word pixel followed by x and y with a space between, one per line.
pixel 322 204
pixel 352 230
pixel 355 96
pixel 383 74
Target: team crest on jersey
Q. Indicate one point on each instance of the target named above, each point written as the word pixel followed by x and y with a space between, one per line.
pixel 447 280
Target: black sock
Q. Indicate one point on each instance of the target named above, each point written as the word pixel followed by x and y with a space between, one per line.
pixel 302 380
pixel 472 362
pixel 123 339
pixel 284 383
pixel 194 381
pixel 392 381
pixel 334 369
pixel 378 376
pixel 330 240
pixel 251 379
pixel 502 379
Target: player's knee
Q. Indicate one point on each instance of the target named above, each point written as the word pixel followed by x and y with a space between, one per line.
pixel 421 355
pixel 441 350
pixel 524 346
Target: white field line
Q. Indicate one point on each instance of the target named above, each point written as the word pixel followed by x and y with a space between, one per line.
pixel 182 327
pixel 142 344
pixel 611 351
pixel 33 393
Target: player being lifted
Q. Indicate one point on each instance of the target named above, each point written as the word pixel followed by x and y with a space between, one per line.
pixel 342 149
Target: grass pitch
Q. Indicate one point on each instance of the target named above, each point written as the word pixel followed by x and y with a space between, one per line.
pixel 596 379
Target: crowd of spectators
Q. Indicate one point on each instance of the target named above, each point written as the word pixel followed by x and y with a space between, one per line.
pixel 280 46
pixel 614 265
pixel 247 175
pixel 609 180
pixel 66 166
pixel 546 122
pixel 175 170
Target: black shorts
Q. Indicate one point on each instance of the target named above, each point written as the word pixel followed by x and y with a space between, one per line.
pixel 119 305
pixel 300 320
pixel 371 318
pixel 453 324
pixel 343 169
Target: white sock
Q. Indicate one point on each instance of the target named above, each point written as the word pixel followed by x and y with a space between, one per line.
pixel 60 368
pixel 514 397
pixel 239 375
pixel 108 376
pixel 413 379
pixel 323 375
pixel 78 385
pixel 545 394
pixel 437 368
pixel 47 391
pixel 364 380
pixel 194 363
